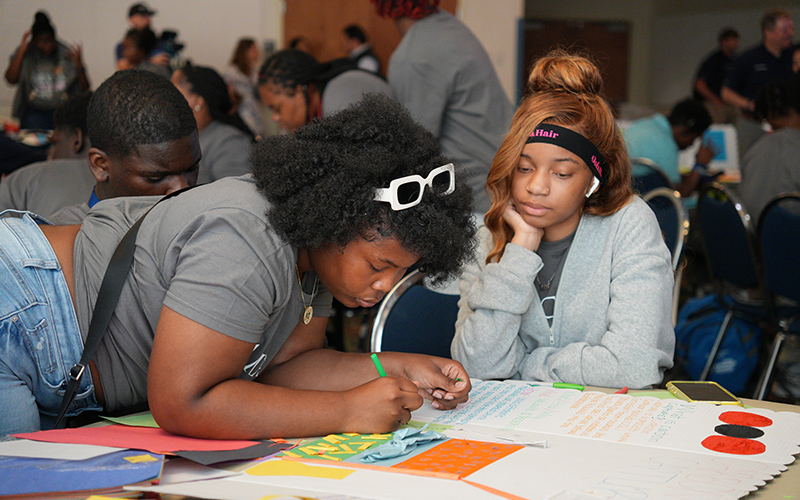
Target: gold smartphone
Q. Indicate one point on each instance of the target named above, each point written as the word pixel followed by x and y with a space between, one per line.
pixel 705 391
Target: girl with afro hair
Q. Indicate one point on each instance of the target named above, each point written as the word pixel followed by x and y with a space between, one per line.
pixel 574 281
pixel 220 326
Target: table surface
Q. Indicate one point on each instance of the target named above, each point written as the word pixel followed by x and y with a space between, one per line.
pixel 784 487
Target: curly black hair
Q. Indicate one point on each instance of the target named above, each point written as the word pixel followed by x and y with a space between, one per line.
pixel 321 182
pixel 135 107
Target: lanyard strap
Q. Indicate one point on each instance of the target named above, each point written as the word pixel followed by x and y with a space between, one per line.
pixel 107 297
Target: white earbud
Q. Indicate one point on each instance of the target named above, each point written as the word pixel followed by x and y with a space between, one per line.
pixel 595 183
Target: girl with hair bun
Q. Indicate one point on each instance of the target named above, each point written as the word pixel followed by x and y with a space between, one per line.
pixel 573 282
pixel 46 73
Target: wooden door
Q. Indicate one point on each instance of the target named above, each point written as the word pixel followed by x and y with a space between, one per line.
pixel 322 22
pixel 607 43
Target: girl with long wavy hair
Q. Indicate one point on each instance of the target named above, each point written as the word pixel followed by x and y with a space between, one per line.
pixel 573 282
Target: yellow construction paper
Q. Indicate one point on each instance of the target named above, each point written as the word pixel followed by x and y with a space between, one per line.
pixel 141 458
pixel 292 468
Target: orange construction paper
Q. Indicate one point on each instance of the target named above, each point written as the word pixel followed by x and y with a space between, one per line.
pixel 138 438
pixel 460 457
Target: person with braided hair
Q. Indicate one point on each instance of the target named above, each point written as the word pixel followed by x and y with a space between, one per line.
pixel 573 282
pixel 443 75
pixel 297 88
pixel 225 140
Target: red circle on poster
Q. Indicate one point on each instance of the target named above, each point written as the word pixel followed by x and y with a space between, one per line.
pixel 733 446
pixel 745 418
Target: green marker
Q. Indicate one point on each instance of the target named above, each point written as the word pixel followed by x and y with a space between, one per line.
pixel 557 385
pixel 378 365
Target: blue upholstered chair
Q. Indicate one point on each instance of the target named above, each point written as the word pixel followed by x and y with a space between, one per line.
pixel 733 257
pixel 647 176
pixel 413 318
pixel 779 237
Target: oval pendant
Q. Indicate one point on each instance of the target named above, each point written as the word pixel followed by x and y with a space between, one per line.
pixel 308 313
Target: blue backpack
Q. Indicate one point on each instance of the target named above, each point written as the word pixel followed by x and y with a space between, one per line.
pixel 695 332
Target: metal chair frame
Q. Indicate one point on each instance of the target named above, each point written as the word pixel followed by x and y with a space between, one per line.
pixel 755 258
pixel 681 231
pixel 655 171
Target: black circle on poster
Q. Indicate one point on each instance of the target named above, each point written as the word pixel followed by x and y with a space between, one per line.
pixel 739 431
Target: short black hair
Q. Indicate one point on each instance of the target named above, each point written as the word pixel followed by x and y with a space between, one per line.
pixel 692 114
pixel 289 68
pixel 778 99
pixel 321 183
pixel 72 114
pixel 144 39
pixel 354 31
pixel 726 33
pixel 133 108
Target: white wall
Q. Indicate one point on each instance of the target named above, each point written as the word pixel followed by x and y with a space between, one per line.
pixel 208 28
pixel 495 23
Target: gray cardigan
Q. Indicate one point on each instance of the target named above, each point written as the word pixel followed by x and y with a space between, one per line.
pixel 612 324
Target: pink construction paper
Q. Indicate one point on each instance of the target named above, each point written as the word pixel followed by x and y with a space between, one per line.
pixel 139 438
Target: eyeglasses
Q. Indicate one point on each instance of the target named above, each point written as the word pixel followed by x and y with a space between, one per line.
pixel 406 192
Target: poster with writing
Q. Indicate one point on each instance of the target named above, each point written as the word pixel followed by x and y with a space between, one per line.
pixel 755 434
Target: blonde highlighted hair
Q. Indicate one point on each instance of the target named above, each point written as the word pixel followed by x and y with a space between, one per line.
pixel 563 89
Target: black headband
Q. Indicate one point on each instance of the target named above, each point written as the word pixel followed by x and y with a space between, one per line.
pixel 574 143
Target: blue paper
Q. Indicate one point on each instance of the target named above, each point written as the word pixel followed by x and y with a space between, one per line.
pixel 45 475
pixel 403 442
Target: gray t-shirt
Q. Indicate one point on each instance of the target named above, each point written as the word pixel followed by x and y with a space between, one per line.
pixel 769 169
pixel 208 254
pixel 225 152
pixel 442 74
pixel 553 254
pixel 349 87
pixel 46 187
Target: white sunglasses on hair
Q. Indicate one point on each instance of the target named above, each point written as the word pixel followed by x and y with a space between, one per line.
pixel 406 192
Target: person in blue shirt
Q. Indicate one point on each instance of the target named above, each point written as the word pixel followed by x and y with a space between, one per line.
pixel 660 138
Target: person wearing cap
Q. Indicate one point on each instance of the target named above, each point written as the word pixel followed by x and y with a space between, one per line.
pixel 139 18
pixel 573 281
pixel 297 88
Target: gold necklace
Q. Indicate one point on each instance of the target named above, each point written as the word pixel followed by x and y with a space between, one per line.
pixel 308 310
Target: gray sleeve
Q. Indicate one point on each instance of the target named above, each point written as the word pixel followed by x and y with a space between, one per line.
pixel 428 105
pixel 637 340
pixel 12 191
pixel 70 215
pixel 493 299
pixel 228 274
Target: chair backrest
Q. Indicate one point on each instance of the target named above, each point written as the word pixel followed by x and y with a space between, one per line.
pixel 729 238
pixel 672 218
pixel 647 176
pixel 413 318
pixel 779 236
